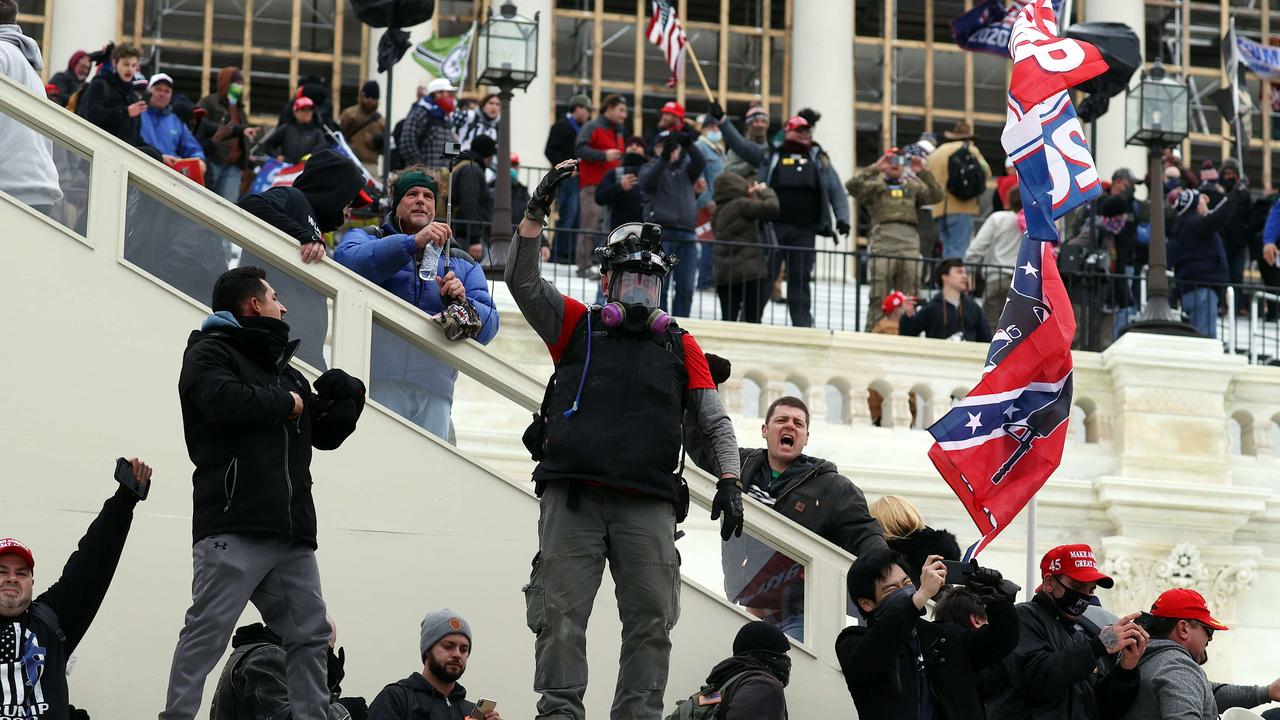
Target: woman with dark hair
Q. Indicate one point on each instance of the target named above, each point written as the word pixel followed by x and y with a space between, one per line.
pixel 480 120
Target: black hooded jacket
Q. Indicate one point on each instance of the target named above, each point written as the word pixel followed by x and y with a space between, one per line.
pixel 254 683
pixel 756 696
pixel 106 102
pixel 315 203
pixel 413 698
pixel 253 464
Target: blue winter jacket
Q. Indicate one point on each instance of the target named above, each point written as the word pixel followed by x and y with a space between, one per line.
pixel 389 258
pixel 166 132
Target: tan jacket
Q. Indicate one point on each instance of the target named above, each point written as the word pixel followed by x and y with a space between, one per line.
pixel 360 132
pixel 953 205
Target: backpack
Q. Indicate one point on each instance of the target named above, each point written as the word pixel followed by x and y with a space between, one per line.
pixel 965 177
pixel 705 704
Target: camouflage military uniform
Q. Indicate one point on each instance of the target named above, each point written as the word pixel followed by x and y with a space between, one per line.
pixel 894 207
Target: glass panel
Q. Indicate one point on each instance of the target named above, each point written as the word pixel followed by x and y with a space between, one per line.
pixel 948 81
pixel 1206 38
pixel 777 55
pixel 53 178
pixel 619 50
pixel 990 86
pixel 744 63
pixel 707 10
pixel 573 47
pixel 908 75
pixel 706 45
pixel 867 68
pixel 944 11
pixel 189 255
pixel 868 18
pixel 909 21
pixel 745 571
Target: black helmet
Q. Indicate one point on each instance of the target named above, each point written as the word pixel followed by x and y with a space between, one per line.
pixel 636 247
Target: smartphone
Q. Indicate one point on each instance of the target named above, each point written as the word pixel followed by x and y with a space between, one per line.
pixel 959 572
pixel 899 160
pixel 125 476
pixel 483 707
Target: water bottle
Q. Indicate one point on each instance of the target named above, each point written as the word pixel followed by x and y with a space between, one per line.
pixel 430 259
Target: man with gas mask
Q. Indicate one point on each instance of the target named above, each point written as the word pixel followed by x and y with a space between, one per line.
pixel 1065 667
pixel 608 444
pixel 899 665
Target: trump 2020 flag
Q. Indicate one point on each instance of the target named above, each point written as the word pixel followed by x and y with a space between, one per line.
pixel 1043 63
pixel 998 446
pixel 1056 172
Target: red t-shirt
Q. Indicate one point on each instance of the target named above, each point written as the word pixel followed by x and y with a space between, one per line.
pixel 695 362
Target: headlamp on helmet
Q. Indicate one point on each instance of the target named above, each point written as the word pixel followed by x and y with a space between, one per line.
pixel 636 265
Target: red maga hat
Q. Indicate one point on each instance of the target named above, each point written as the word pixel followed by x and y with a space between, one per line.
pixel 796 123
pixel 674 108
pixel 1184 604
pixel 1076 562
pixel 10 546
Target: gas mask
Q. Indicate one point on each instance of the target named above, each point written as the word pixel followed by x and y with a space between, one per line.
pixel 633 303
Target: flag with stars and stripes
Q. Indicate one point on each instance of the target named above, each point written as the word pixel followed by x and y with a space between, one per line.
pixel 998 445
pixel 667 33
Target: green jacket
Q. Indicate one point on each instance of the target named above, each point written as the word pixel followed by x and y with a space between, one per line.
pixel 898 202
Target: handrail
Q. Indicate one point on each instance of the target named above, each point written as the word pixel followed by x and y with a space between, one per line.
pixel 358 303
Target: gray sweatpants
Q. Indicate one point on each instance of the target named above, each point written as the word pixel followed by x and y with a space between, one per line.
pixel 636 534
pixel 282 579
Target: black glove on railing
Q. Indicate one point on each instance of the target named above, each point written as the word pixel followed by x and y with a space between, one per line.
pixel 728 501
pixel 539 207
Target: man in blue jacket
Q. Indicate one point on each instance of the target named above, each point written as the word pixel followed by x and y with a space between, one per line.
pixel 165 131
pixel 403 378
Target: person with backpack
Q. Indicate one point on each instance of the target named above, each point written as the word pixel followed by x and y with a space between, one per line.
pixel 749 685
pixel 960 168
pixel 609 451
pixel 434 693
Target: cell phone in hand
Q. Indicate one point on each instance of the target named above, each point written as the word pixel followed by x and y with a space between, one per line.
pixel 959 572
pixel 483 707
pixel 125 476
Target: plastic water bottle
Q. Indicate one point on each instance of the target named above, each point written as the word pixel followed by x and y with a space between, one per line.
pixel 430 260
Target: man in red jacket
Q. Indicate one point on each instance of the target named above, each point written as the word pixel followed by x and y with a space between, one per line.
pixel 599 146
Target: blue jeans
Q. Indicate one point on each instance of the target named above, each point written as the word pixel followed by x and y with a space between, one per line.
pixel 706 267
pixel 955 231
pixel 427 410
pixel 684 245
pixel 223 179
pixel 1201 305
pixel 562 246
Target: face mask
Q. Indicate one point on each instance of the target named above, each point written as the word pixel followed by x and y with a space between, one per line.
pixel 1072 602
pixel 1228 183
pixel 234 91
pixel 515 174
pixel 445 103
pixel 714 136
pixel 778 664
pixel 1172 184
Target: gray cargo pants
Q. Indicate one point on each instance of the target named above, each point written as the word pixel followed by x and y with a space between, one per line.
pixel 636 534
pixel 282 579
pixel 901 271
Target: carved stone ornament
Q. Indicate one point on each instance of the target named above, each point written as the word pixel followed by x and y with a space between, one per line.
pixel 1139 580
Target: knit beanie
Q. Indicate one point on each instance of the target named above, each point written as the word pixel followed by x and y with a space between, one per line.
pixel 409 180
pixel 760 635
pixel 1183 200
pixel 755 111
pixel 1207 172
pixel 438 624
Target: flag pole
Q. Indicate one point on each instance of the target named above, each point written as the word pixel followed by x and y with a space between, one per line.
pixel 688 47
pixel 1235 96
pixel 1032 580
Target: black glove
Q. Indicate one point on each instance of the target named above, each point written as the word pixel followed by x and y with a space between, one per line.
pixel 337 670
pixel 989 585
pixel 684 139
pixel 358 708
pixel 669 146
pixel 720 368
pixel 842 228
pixel 728 500
pixel 715 112
pixel 78 713
pixel 544 195
pixel 337 385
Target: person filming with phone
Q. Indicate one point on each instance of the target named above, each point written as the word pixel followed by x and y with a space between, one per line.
pixel 894 199
pixel 899 665
pixel 37 636
pixel 434 693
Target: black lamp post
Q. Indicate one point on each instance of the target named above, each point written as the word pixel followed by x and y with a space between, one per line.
pixel 1157 115
pixel 507 58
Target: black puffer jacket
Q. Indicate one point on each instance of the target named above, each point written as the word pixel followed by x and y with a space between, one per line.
pixel 253 464
pixel 294 141
pixel 737 220
pixel 254 682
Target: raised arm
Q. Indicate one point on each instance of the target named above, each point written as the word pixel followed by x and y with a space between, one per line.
pixel 542 305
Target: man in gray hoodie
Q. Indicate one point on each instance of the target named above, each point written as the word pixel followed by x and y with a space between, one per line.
pixel 27 171
pixel 1172 684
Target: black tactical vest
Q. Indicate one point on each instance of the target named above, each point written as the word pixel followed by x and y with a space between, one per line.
pixel 626 430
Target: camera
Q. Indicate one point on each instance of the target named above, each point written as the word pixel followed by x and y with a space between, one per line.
pixel 452 150
pixel 899 160
pixel 987 583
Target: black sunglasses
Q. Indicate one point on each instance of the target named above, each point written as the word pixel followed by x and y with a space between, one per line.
pixel 1207 630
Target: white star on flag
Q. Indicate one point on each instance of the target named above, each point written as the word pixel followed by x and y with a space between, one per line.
pixel 975 422
pixel 1030 269
pixel 1010 411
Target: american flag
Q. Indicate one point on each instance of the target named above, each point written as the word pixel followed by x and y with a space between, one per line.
pixel 667 33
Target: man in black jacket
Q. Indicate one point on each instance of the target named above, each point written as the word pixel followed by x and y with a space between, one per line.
pixel 253 683
pixel 472 204
pixel 619 189
pixel 319 202
pixel 806 490
pixel 561 142
pixel 112 102
pixel 899 666
pixel 37 637
pixel 952 314
pixel 1065 667
pixel 250 421
pixel 750 684
pixel 433 693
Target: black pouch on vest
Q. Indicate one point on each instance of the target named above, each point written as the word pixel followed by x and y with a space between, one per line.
pixel 535 436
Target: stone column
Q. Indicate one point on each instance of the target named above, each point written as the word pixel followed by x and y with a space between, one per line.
pixel 1111 152
pixel 79 26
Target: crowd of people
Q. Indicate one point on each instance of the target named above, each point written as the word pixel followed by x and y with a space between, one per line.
pixel 627 375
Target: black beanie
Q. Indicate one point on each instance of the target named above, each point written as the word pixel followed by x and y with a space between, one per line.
pixel 760 635
pixel 483 146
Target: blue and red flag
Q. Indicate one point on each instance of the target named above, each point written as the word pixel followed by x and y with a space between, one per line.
pixel 998 446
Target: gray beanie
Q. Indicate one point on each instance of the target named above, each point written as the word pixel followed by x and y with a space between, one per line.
pixel 438 624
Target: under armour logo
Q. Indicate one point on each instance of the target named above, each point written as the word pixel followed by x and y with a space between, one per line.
pixel 219 545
